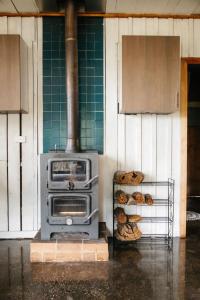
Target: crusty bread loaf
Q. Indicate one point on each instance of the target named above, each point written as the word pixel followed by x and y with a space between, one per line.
pixel 120 215
pixel 134 218
pixel 121 197
pixel 128 232
pixel 138 197
pixel 148 199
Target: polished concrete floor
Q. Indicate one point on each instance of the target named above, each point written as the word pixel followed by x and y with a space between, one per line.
pixel 142 272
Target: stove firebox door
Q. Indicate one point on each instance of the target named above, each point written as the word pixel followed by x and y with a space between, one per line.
pixel 69 209
pixel 68 174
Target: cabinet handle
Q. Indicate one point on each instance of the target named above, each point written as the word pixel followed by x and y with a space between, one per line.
pixel 177 99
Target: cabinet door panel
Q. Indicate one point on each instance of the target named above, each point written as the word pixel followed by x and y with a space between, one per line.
pixel 9 73
pixel 150 74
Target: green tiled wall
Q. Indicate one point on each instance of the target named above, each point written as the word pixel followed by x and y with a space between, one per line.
pixel 90 57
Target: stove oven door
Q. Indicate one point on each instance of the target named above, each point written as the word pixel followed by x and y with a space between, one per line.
pixel 69 174
pixel 69 209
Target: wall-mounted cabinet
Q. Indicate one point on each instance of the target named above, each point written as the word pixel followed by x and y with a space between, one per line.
pixel 13 74
pixel 150 74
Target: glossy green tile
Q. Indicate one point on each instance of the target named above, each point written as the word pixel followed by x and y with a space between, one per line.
pixel 90 55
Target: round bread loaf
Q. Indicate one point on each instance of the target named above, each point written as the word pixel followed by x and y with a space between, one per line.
pixel 134 218
pixel 121 197
pixel 120 215
pixel 148 199
pixel 139 197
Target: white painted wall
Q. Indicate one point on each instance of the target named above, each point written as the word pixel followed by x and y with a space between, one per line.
pixel 150 143
pixel 19 213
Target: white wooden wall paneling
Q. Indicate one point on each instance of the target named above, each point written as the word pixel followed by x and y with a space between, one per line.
pixel 28 175
pixel 14 27
pixel 10 149
pixel 155 139
pixel 3 156
pixel 121 159
pixel 196 40
pixel 35 132
pixel 139 28
pixel 134 125
pixel 191 38
pixel 3 174
pixel 149 139
pixel 110 115
pixel 40 107
pixel 179 27
pixel 163 145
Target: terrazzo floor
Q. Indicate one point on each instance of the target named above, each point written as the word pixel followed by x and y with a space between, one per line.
pixel 145 272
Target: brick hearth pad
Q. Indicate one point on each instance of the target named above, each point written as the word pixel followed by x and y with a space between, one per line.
pixel 65 250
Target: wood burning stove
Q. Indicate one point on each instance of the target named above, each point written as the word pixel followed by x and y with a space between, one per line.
pixel 69 185
pixel 69 194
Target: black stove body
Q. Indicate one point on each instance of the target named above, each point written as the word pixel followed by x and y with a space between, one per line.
pixel 69 194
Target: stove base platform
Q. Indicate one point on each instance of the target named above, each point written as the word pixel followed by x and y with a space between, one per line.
pixel 68 249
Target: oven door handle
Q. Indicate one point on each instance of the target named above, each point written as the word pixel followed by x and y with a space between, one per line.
pixel 91 215
pixel 91 180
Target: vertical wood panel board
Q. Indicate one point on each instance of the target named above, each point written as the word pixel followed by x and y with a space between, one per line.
pixel 123 30
pixel 110 156
pixel 196 38
pixel 40 110
pixel 3 156
pixel 28 174
pixel 35 134
pixel 14 27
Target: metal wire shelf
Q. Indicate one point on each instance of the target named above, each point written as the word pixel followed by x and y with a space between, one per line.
pixel 154 220
pixel 167 202
pixel 156 202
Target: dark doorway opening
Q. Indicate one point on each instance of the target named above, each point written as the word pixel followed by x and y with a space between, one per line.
pixel 193 162
pixel 193 188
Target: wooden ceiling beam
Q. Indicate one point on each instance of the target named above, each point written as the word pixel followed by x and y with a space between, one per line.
pixel 103 15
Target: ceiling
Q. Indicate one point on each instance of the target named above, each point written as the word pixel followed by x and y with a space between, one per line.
pixel 154 6
pixel 182 7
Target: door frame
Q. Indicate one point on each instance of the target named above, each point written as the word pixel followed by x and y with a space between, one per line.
pixel 185 61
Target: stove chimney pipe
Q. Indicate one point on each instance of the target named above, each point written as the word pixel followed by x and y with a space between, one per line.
pixel 71 53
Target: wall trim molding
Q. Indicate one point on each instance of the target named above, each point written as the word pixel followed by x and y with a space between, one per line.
pixel 103 15
pixel 17 234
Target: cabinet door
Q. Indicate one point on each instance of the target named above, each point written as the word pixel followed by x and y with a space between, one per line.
pixel 13 74
pixel 150 74
pixel 9 73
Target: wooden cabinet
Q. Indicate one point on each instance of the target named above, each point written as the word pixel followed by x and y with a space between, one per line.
pixel 13 74
pixel 150 74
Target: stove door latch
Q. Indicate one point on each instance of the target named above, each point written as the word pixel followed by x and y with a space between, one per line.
pixel 91 180
pixel 70 185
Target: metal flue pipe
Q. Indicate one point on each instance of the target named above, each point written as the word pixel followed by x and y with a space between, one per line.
pixel 71 75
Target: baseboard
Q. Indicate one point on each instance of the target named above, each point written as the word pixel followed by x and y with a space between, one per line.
pixel 17 234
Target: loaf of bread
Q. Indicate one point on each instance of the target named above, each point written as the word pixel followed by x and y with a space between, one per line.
pixel 134 218
pixel 148 199
pixel 121 197
pixel 120 215
pixel 128 232
pixel 138 197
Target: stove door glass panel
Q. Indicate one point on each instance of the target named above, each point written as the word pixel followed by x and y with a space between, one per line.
pixel 71 206
pixel 69 170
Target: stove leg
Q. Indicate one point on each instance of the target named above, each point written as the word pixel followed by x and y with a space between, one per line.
pixel 45 235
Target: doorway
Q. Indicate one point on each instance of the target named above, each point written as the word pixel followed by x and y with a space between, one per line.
pixel 190 68
pixel 193 148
